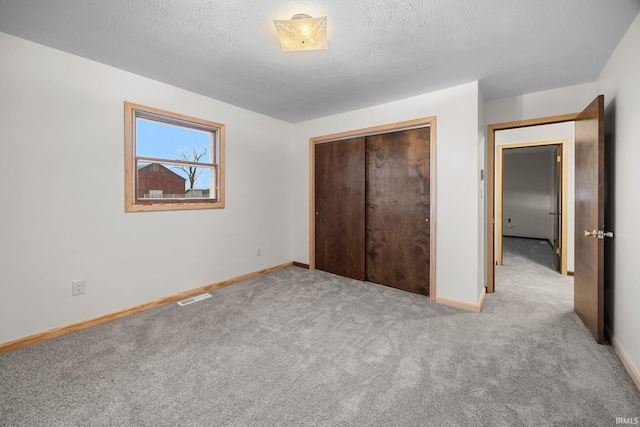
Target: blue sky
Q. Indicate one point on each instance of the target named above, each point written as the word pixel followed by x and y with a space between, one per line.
pixel 155 139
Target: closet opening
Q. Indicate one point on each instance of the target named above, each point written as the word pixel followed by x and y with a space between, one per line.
pixel 372 205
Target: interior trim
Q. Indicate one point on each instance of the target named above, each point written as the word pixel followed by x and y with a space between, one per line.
pixel 490 175
pixel 84 324
pixel 131 201
pixel 300 264
pixel 564 143
pixel 475 308
pixel 633 373
pixel 391 127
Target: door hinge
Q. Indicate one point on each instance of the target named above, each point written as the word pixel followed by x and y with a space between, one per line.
pixel 558 251
pixel 559 159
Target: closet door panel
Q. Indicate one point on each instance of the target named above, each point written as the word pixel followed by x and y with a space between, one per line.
pixel 397 210
pixel 339 201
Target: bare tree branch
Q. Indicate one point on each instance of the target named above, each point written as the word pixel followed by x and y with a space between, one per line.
pixel 193 172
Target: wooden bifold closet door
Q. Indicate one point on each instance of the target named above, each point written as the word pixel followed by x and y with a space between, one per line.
pixel 372 198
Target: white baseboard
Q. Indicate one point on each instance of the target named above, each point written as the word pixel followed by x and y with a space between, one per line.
pixel 633 372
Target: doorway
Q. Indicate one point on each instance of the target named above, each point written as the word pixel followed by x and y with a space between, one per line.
pixel 532 196
pixel 589 210
pixel 490 182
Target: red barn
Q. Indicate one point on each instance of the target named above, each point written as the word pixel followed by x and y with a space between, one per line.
pixel 155 180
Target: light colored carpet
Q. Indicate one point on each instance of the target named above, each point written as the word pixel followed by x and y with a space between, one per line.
pixel 307 348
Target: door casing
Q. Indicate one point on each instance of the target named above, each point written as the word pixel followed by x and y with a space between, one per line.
pixel 499 196
pixel 490 175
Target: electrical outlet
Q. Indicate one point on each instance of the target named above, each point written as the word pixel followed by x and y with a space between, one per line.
pixel 77 287
pixel 258 251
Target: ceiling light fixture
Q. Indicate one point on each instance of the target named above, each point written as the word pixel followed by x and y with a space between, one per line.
pixel 302 32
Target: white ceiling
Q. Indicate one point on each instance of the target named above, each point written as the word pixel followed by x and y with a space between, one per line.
pixel 379 50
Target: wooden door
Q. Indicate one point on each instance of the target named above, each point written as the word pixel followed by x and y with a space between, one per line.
pixel 557 211
pixel 589 216
pixel 397 210
pixel 339 201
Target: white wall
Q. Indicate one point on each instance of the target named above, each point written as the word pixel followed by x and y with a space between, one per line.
pixel 556 131
pixel 62 176
pixel 528 194
pixel 555 102
pixel 620 84
pixel 457 189
pixel 482 191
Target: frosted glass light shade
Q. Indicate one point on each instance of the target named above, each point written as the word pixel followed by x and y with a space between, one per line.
pixel 302 32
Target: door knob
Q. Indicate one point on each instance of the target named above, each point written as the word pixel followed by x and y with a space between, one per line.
pixel 598 234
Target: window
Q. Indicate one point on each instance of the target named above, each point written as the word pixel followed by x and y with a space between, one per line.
pixel 172 161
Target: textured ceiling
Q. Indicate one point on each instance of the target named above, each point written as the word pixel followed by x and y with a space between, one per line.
pixel 379 50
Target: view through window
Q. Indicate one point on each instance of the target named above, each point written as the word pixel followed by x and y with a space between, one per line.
pixel 172 161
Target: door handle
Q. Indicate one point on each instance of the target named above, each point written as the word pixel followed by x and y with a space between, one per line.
pixel 593 233
pixel 598 234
